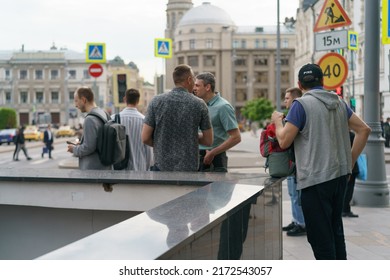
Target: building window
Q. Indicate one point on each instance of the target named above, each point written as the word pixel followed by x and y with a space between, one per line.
pixel 264 43
pixel 72 74
pixel 209 43
pixel 285 43
pixel 209 60
pixel 71 96
pixel 192 30
pixel 241 95
pixel 8 97
pixel 285 77
pixel 240 61
pixel 180 45
pixel 23 74
pixel 261 77
pixel 7 74
pixel 39 97
pixel 192 44
pixel 257 44
pixel 38 75
pixel 55 97
pixel 23 97
pixel 209 30
pixel 235 44
pixel 243 44
pixel 284 60
pixel 193 60
pixel 180 60
pixel 86 74
pixel 261 60
pixel 261 92
pixel 54 74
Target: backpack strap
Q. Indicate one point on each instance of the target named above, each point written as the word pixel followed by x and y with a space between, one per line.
pixel 117 118
pixel 99 116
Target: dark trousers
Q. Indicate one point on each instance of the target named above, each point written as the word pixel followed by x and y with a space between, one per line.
pixel 349 193
pixel 219 163
pixel 49 148
pixel 322 207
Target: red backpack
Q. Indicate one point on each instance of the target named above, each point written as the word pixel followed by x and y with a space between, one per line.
pixel 268 142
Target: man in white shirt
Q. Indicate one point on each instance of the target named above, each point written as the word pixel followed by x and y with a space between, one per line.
pixel 141 155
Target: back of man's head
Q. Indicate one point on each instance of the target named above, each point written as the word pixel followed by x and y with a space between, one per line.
pixel 132 96
pixel 181 73
pixel 85 92
pixel 294 92
pixel 310 75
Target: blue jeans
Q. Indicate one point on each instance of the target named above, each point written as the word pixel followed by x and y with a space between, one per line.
pixel 296 208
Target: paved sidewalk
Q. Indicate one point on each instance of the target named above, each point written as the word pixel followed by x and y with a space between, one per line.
pixel 367 237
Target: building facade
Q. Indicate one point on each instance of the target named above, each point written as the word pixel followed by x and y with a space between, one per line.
pixel 242 58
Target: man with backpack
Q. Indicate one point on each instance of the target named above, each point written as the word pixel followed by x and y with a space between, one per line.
pixel 86 149
pixel 318 123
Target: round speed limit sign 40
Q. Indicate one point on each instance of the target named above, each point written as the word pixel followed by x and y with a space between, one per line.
pixel 335 70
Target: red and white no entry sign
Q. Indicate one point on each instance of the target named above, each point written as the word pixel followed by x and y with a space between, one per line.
pixel 95 70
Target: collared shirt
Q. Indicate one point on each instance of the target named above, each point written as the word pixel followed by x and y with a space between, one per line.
pixel 223 119
pixel 141 155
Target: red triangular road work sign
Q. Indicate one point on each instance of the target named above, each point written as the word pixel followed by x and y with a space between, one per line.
pixel 332 15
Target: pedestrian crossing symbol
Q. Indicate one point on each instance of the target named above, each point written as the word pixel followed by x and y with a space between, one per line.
pixel 352 40
pixel 332 15
pixel 96 53
pixel 163 48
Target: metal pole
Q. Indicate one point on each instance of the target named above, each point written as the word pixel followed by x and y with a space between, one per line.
pixel 278 62
pixel 374 191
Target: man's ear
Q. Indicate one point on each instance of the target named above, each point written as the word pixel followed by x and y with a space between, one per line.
pixel 300 85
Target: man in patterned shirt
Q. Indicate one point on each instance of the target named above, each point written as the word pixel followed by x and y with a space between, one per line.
pixel 172 124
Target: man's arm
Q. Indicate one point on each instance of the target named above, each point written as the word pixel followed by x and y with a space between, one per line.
pixel 147 135
pixel 362 131
pixel 234 139
pixel 206 137
pixel 285 134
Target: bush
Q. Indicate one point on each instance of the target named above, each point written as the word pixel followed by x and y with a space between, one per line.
pixel 7 118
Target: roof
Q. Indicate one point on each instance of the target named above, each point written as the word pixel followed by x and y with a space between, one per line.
pixel 206 14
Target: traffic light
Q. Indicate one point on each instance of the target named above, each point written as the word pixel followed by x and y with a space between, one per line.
pixel 122 87
pixel 340 91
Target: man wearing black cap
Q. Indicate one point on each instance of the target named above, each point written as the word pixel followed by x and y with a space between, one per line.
pixel 318 123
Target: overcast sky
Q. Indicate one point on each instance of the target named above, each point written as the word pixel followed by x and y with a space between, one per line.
pixel 128 27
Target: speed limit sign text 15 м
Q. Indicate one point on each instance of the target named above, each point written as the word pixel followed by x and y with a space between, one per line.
pixel 335 69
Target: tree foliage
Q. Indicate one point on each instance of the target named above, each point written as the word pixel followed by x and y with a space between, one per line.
pixel 259 109
pixel 7 118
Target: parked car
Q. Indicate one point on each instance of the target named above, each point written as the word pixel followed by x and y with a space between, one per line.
pixel 65 131
pixel 7 135
pixel 31 132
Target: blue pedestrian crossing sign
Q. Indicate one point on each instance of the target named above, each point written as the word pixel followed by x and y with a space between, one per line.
pixel 96 53
pixel 352 40
pixel 163 48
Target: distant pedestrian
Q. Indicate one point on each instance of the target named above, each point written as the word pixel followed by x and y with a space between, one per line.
pixel 15 140
pixel 48 139
pixel 176 123
pixel 386 130
pixel 141 155
pixel 21 145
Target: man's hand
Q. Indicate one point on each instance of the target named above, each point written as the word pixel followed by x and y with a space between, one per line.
pixel 277 117
pixel 208 158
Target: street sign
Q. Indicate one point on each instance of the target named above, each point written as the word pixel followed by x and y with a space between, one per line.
pixel 353 40
pixel 385 22
pixel 331 40
pixel 335 69
pixel 95 70
pixel 163 48
pixel 96 53
pixel 332 15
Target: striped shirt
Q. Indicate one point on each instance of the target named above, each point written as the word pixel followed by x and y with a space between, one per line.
pixel 141 155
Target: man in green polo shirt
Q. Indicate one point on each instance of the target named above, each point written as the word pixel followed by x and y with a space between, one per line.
pixel 224 122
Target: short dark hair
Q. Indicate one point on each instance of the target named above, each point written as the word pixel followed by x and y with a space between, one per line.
pixel 295 92
pixel 208 79
pixel 85 92
pixel 132 96
pixel 310 75
pixel 181 73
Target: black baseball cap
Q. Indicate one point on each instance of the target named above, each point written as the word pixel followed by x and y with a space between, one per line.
pixel 310 73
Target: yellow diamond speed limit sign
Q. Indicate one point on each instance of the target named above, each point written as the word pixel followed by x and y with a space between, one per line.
pixel 335 70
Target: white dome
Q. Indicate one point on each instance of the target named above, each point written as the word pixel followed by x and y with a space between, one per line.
pixel 206 14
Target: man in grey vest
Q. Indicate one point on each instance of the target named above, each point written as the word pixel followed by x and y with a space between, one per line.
pixel 318 123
